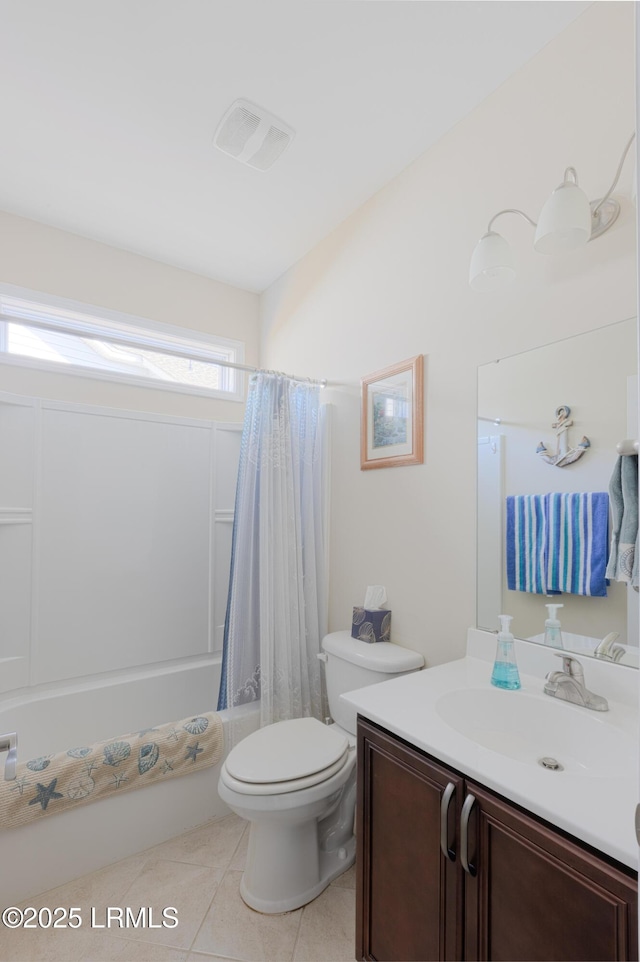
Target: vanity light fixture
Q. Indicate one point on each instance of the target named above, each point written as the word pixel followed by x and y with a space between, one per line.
pixel 567 221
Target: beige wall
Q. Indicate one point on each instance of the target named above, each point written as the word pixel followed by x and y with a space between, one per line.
pixel 42 258
pixel 391 282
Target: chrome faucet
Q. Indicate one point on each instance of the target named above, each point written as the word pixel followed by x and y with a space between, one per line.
pixel 9 743
pixel 607 648
pixel 569 685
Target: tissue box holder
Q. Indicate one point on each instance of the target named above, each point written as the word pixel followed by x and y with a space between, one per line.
pixel 371 626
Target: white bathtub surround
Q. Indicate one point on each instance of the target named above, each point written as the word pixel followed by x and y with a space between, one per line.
pixel 52 784
pixel 277 604
pixel 93 836
pixel 598 749
pixel 116 538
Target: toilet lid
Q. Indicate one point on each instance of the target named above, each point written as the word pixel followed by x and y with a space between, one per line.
pixel 345 762
pixel 286 751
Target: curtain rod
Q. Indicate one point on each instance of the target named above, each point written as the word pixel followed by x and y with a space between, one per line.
pixel 261 370
pixel 131 341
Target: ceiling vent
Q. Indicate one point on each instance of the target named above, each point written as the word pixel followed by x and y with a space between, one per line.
pixel 252 135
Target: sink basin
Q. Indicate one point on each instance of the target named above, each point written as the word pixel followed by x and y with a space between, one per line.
pixel 527 728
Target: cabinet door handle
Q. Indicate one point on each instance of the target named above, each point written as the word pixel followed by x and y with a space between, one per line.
pixel 447 795
pixel 469 802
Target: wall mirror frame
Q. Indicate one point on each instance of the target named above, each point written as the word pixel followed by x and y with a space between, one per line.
pixel 521 433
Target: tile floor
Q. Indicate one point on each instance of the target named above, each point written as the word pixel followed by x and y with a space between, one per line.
pixel 198 873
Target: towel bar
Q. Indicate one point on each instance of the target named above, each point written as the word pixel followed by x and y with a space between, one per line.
pixel 9 743
pixel 628 446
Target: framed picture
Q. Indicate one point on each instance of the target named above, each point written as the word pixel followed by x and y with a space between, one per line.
pixel 391 432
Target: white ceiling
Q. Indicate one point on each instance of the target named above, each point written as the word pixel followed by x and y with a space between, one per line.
pixel 108 110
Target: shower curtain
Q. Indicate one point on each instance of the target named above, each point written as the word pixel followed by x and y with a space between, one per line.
pixel 276 608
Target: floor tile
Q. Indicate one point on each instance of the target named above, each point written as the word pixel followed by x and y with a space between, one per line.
pixel 45 945
pixel 327 929
pixel 189 888
pixel 347 880
pixel 214 923
pixel 104 887
pixel 205 957
pixel 106 948
pixel 233 930
pixel 240 856
pixel 212 844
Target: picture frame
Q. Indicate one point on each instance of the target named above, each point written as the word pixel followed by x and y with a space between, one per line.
pixel 392 416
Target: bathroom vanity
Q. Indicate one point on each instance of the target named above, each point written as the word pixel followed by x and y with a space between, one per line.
pixel 513 888
pixel 470 849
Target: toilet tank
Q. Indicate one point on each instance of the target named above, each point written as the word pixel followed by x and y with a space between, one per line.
pixel 351 663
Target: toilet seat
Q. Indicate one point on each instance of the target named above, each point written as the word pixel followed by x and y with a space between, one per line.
pixel 280 788
pixel 286 757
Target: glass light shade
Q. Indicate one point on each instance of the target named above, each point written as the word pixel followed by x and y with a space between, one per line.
pixel 565 221
pixel 491 263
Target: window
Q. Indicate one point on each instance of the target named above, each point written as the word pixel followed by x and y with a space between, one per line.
pixel 52 333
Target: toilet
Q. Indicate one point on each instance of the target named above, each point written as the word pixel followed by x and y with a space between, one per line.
pixel 295 782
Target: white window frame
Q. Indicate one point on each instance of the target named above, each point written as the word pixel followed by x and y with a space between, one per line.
pixel 20 305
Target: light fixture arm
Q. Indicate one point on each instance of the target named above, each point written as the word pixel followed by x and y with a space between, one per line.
pixel 616 178
pixel 567 221
pixel 510 210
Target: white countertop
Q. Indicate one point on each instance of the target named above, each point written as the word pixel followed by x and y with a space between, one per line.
pixel 598 810
pixel 586 645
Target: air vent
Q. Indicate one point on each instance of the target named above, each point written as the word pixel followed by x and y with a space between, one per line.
pixel 252 135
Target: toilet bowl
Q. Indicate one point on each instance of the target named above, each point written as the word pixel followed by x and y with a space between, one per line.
pixel 301 820
pixel 295 782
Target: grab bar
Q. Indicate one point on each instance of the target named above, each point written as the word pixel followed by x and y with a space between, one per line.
pixel 9 743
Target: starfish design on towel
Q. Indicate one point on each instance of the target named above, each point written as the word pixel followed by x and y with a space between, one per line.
pixel 174 734
pixel 118 780
pixel 19 784
pixel 143 731
pixel 193 751
pixel 45 793
pixel 166 767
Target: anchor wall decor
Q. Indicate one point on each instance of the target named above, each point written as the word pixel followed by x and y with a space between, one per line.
pixel 564 454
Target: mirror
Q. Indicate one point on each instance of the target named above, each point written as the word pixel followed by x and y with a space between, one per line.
pixel 529 445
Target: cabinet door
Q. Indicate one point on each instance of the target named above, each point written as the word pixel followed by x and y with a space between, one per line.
pixel 537 895
pixel 409 895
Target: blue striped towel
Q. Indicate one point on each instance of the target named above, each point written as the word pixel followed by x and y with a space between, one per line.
pixel 578 529
pixel 558 543
pixel 527 543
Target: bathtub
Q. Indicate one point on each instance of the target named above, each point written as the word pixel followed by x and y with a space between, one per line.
pixel 57 849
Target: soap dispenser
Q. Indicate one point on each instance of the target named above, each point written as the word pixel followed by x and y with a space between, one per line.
pixel 505 670
pixel 552 632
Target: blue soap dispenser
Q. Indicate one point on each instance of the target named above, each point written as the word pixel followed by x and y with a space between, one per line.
pixel 505 671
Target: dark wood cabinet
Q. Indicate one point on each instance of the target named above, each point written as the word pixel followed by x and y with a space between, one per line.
pixel 409 906
pixel 448 870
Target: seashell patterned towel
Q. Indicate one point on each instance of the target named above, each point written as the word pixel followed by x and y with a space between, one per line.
pixel 56 783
